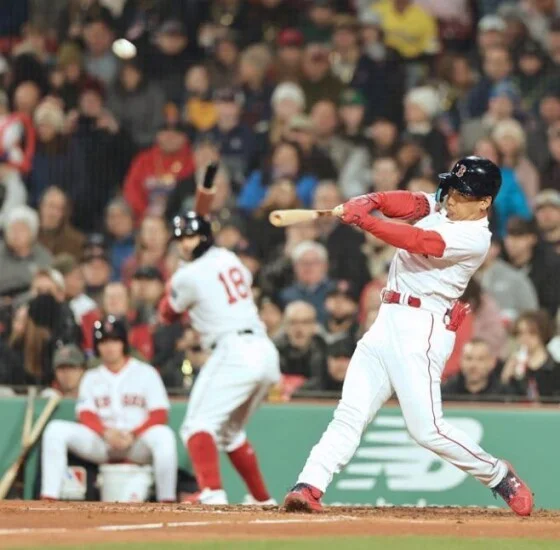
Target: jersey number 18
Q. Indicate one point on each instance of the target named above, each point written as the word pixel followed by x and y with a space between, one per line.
pixel 234 284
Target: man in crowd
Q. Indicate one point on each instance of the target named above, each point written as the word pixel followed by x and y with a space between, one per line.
pixel 69 365
pixel 547 213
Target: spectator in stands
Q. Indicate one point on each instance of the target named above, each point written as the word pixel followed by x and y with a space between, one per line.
pixel 287 102
pixel 342 308
pixel 538 128
pixel 199 111
pixel 317 81
pixel 59 159
pixel 547 213
pixel 491 34
pixel 385 174
pixel 154 173
pixel 27 96
pixel 109 150
pixel 271 314
pixel 254 66
pixel 74 284
pixel 311 265
pixel 20 253
pixel 285 162
pixel 303 352
pixel 170 58
pixel 151 247
pixel 421 106
pixel 339 353
pixel 300 130
pixel 526 252
pixel 56 233
pixel 351 162
pixel 146 290
pixel 510 140
pixel 289 52
pixel 224 63
pixel 531 371
pixel 352 112
pixel 343 243
pixel 96 267
pixel 69 76
pixel 384 137
pixel 100 62
pixel 119 222
pixel 317 25
pixel 498 68
pixel 511 288
pixel 137 103
pixel 69 364
pixel 235 141
pixel 511 200
pixel 551 177
pixel 477 376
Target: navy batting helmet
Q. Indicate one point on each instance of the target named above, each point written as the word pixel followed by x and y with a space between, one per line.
pixel 191 224
pixel 110 328
pixel 473 176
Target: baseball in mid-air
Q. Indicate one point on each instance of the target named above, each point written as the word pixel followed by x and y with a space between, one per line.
pixel 124 49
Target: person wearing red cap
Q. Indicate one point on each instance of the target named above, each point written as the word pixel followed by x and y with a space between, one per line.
pixel 289 51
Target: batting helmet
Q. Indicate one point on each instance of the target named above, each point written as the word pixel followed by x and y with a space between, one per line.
pixel 191 224
pixel 110 328
pixel 473 176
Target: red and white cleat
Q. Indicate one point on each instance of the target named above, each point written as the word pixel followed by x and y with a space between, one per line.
pixel 304 498
pixel 515 492
pixel 214 497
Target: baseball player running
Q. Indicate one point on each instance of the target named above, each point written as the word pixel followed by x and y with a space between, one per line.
pixel 408 345
pixel 122 411
pixel 215 287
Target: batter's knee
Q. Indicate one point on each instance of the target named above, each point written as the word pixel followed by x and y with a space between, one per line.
pixel 426 436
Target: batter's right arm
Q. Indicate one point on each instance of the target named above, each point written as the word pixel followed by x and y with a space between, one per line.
pixel 393 204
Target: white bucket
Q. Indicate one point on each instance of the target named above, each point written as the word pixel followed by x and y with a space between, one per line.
pixel 125 482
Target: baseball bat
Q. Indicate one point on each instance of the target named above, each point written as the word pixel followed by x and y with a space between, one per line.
pixel 283 218
pixel 205 192
pixel 28 419
pixel 11 473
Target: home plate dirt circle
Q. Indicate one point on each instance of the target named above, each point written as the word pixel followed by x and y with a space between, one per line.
pixel 28 523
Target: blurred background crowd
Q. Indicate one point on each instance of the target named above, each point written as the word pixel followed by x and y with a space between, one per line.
pixel 110 110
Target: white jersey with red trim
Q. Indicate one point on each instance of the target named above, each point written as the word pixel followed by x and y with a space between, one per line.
pixel 439 282
pixel 123 400
pixel 216 289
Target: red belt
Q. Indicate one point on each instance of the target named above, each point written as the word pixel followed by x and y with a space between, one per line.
pixel 394 297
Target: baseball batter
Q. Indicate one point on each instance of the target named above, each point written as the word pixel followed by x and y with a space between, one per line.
pixel 215 287
pixel 407 347
pixel 122 411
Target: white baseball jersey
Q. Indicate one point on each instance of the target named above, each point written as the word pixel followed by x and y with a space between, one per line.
pixel 122 400
pixel 439 282
pixel 216 289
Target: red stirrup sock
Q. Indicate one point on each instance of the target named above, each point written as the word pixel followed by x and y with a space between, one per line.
pixel 204 456
pixel 244 460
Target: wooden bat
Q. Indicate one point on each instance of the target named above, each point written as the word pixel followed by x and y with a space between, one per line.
pixel 283 218
pixel 11 473
pixel 28 419
pixel 205 192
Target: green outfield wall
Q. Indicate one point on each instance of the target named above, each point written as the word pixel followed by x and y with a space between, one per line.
pixel 389 468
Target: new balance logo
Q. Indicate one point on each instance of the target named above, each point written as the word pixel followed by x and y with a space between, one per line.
pixel 387 452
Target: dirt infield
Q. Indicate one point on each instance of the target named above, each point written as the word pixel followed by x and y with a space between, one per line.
pixel 25 523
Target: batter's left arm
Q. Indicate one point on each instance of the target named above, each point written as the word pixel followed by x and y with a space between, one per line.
pixel 393 204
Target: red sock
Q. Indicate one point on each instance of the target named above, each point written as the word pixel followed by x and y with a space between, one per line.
pixel 204 456
pixel 244 460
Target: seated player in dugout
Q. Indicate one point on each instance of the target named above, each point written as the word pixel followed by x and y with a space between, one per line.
pixel 409 343
pixel 122 412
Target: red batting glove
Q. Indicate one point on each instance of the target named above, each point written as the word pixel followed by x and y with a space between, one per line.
pixel 359 207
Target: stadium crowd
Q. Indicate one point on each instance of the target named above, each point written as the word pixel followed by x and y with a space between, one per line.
pixel 304 103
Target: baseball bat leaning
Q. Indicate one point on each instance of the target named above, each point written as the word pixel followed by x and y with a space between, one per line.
pixel 205 192
pixel 283 218
pixel 10 475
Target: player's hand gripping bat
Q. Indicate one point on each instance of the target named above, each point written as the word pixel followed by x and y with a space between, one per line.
pixel 205 192
pixel 283 218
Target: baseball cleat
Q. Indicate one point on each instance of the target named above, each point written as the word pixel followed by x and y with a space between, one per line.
pixel 250 500
pixel 303 498
pixel 215 497
pixel 515 492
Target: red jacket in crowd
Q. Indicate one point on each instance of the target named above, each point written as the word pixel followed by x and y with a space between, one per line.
pixel 153 175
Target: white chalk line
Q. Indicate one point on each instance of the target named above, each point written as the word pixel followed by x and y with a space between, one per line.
pixel 172 524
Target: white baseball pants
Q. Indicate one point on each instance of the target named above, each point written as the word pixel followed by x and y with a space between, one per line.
pixel 156 445
pixel 404 352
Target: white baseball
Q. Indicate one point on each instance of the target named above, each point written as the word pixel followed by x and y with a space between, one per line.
pixel 124 49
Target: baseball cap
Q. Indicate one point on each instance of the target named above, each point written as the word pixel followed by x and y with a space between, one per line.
pixel 172 126
pixel 344 288
pixel 228 94
pixel 290 38
pixel 351 96
pixel 95 240
pixel 531 47
pixel 65 263
pixel 90 256
pixel 172 27
pixel 300 122
pixel 148 272
pixel 547 197
pixel 69 354
pixel 370 19
pixel 346 22
pixel 506 89
pixel 491 23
